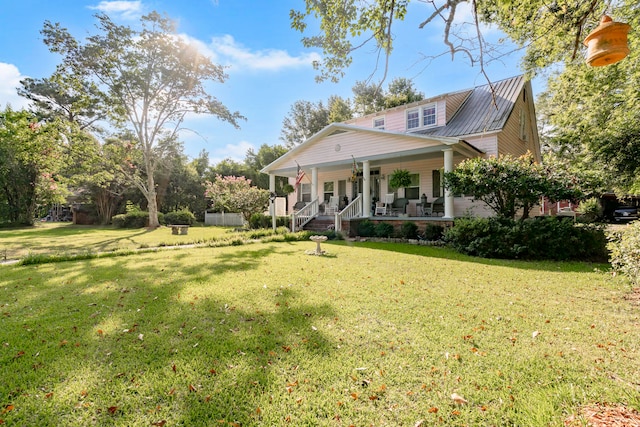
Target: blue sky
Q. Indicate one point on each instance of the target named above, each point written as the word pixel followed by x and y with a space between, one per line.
pixel 269 69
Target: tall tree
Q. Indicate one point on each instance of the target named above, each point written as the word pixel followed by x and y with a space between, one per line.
pixel 400 92
pixel 367 98
pixel 150 78
pixel 549 31
pixel 339 109
pixel 31 156
pixel 255 161
pixel 304 119
pixel 592 115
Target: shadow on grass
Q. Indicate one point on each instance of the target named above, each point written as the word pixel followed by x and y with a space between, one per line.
pixel 133 341
pixel 450 254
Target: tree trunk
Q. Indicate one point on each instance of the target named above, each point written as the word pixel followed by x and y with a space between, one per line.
pixel 152 201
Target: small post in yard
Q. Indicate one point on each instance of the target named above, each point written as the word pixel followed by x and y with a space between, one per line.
pixel 272 198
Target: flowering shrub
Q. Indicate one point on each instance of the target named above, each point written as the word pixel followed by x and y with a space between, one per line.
pixel 624 247
pixel 236 194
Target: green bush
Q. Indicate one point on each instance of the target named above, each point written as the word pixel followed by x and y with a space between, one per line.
pixel 260 220
pixel 590 210
pixel 534 239
pixel 384 229
pixel 132 219
pixel 433 232
pixel 624 247
pixel 181 217
pixel 409 230
pixel 366 228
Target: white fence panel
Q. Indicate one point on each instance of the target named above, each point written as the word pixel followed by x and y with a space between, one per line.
pixel 224 219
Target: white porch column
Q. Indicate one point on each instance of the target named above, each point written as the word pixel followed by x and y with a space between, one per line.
pixel 448 195
pixel 366 189
pixel 272 206
pixel 272 183
pixel 314 183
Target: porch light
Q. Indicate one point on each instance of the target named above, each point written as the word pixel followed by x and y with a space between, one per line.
pixel 607 43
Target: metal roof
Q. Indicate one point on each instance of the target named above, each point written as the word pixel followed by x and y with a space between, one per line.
pixel 479 113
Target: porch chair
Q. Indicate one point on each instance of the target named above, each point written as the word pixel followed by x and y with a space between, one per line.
pixel 386 203
pixel 437 207
pixel 333 205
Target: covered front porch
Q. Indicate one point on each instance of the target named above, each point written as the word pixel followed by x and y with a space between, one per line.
pixel 343 172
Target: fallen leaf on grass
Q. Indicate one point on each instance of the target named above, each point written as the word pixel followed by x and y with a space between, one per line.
pixel 354 396
pixel 8 408
pixel 48 395
pixel 159 423
pixel 433 410
pixel 192 388
pixel 459 399
pixel 112 409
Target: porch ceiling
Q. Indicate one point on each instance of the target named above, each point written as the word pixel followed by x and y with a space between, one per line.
pixel 374 161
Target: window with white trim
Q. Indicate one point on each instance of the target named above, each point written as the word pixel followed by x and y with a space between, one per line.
pixel 328 190
pixel 378 122
pixel 424 116
pixel 413 190
pixel 305 192
pixel 429 115
pixel 413 119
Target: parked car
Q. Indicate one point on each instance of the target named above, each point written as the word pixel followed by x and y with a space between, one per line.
pixel 625 213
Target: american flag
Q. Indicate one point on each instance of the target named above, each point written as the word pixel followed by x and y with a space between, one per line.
pixel 299 176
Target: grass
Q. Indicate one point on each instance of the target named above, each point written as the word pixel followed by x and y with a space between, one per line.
pixel 64 239
pixel 372 334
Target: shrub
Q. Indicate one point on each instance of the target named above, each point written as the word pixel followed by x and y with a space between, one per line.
pixel 260 220
pixel 384 229
pixel 366 228
pixel 433 232
pixel 409 230
pixel 181 217
pixel 624 247
pixel 590 210
pixel 534 239
pixel 132 219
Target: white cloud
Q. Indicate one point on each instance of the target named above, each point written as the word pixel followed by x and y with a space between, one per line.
pixel 125 9
pixel 227 51
pixel 235 152
pixel 9 81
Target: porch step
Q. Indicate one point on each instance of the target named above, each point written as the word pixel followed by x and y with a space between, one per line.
pixel 320 224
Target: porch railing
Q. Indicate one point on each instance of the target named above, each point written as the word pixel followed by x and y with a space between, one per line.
pixel 352 210
pixel 304 215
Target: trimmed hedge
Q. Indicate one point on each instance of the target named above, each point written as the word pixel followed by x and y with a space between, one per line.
pixel 409 230
pixel 181 217
pixel 366 228
pixel 260 220
pixel 543 238
pixel 134 219
pixel 384 229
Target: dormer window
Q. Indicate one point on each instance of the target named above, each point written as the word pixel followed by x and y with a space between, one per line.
pixel 378 123
pixel 429 115
pixel 413 119
pixel 424 116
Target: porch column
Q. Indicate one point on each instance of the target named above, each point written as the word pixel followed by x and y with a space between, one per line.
pixel 366 189
pixel 314 183
pixel 448 195
pixel 272 206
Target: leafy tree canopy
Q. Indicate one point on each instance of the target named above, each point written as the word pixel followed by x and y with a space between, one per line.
pixel 236 194
pixel 549 31
pixel 148 79
pixel 507 184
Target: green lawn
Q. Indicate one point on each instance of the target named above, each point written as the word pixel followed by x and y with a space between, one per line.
pixel 264 334
pixel 68 239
